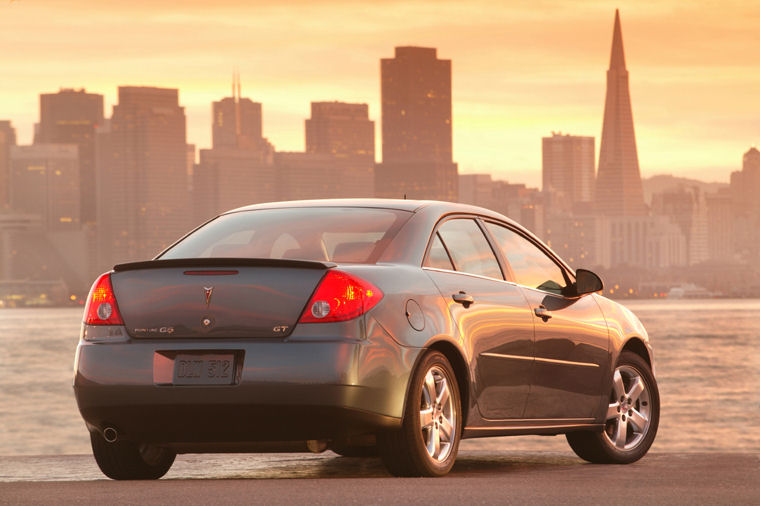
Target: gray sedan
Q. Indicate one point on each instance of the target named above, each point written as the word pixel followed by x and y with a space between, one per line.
pixel 388 328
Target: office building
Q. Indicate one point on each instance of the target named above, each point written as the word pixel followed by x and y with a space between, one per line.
pixel 568 171
pixel 345 132
pixel 416 127
pixel 44 181
pixel 71 117
pixel 7 140
pixel 143 191
pixel 686 206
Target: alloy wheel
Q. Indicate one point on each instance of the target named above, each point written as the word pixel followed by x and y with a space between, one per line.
pixel 629 411
pixel 438 416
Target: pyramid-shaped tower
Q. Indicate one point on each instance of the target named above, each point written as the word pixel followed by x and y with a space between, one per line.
pixel 618 184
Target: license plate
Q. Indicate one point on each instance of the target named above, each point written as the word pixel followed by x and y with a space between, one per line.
pixel 204 370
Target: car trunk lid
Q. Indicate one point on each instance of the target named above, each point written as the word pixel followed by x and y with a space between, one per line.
pixel 222 297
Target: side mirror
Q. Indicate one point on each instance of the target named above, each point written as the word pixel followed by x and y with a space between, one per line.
pixel 587 282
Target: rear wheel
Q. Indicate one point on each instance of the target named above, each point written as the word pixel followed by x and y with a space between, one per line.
pixel 428 441
pixel 631 420
pixel 126 460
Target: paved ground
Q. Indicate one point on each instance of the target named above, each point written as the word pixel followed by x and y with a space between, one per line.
pixel 479 477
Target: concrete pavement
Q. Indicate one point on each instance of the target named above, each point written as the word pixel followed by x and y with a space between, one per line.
pixel 479 477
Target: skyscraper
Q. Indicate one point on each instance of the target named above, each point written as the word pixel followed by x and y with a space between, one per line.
pixel 416 125
pixel 143 193
pixel 340 129
pixel 341 135
pixel 7 139
pixel 568 170
pixel 71 117
pixel 618 184
pixel 239 169
pixel 236 121
pixel 45 182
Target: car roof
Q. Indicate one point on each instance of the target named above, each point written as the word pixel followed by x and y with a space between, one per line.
pixel 399 204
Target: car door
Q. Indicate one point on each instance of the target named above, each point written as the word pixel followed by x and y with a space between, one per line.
pixel 571 339
pixel 492 315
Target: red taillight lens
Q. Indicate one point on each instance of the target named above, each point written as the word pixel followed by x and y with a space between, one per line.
pixel 101 308
pixel 340 296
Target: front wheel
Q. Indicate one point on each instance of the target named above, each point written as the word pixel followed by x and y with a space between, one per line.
pixel 126 460
pixel 632 417
pixel 428 441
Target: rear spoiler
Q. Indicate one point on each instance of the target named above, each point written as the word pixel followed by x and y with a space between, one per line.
pixel 223 262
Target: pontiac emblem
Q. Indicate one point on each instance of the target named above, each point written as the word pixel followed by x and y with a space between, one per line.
pixel 208 290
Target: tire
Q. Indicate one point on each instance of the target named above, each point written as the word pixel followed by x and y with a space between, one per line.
pixel 428 441
pixel 126 460
pixel 631 420
pixel 355 451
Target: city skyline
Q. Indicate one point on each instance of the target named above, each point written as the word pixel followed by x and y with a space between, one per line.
pixel 519 72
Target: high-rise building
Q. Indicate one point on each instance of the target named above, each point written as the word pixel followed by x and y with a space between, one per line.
pixel 745 188
pixel 618 184
pixel 340 129
pixel 745 184
pixel 7 139
pixel 686 207
pixel 516 201
pixel 416 126
pixel 345 132
pixel 71 117
pixel 227 178
pixel 720 225
pixel 568 171
pixel 237 121
pixel 239 169
pixel 143 194
pixel 318 176
pixel 44 181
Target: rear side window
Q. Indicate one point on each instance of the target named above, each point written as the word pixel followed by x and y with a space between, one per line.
pixel 469 248
pixel 335 234
pixel 531 266
pixel 437 257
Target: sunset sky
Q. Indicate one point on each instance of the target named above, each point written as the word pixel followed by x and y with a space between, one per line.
pixel 521 69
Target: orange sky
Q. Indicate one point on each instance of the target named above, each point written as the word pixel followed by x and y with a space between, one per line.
pixel 521 69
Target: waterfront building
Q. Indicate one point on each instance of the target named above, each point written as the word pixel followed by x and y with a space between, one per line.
pixel 345 132
pixel 516 201
pixel 567 171
pixel 686 206
pixel 416 127
pixel 7 139
pixel 44 181
pixel 745 188
pixel 618 185
pixel 71 117
pixel 720 225
pixel 318 176
pixel 239 170
pixel 237 122
pixel 143 198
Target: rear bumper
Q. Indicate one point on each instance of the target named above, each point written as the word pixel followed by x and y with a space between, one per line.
pixel 285 390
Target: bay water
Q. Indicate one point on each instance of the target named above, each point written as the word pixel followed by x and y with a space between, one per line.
pixel 707 356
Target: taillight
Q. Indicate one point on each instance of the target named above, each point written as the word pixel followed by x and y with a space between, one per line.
pixel 101 308
pixel 340 296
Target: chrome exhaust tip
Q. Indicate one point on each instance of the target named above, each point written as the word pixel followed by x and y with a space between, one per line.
pixel 110 435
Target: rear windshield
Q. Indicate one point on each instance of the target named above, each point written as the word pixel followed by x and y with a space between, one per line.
pixel 334 234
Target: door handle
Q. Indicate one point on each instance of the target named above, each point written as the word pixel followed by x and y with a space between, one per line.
pixel 542 313
pixel 463 298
